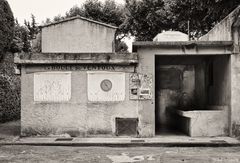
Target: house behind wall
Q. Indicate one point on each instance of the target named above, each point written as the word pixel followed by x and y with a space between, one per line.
pixel 78 35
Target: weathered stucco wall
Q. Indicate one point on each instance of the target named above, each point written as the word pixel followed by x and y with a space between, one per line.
pixel 223 30
pixel 147 65
pixel 77 36
pixel 147 107
pixel 228 30
pixel 235 95
pixel 78 115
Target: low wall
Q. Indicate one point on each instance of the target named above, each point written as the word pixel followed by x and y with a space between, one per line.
pixel 205 122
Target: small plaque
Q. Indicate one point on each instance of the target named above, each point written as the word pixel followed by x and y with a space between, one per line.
pixel 106 85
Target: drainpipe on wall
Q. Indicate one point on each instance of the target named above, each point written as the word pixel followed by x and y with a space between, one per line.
pixel 188 30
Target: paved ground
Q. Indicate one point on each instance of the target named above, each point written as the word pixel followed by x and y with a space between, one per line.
pixel 9 131
pixel 21 153
pixel 118 155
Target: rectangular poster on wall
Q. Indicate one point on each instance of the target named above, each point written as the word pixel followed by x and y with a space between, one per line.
pixel 106 86
pixel 52 86
pixel 140 86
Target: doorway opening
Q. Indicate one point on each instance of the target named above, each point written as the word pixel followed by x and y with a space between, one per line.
pixel 186 84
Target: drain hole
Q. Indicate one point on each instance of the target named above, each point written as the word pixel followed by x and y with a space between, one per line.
pixel 64 139
pixel 137 141
pixel 218 141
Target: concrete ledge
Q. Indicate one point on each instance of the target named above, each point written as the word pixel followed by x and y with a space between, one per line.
pixel 76 58
pixel 128 144
pixel 187 47
pixel 205 122
pixel 165 141
pixel 187 44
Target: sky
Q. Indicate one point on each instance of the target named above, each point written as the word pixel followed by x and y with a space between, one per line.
pixel 42 9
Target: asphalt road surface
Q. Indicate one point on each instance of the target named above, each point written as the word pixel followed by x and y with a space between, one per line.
pixel 57 154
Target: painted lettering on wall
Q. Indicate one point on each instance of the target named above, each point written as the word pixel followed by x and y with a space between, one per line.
pixel 80 67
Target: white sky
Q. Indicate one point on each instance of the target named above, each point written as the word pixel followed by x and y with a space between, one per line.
pixel 42 9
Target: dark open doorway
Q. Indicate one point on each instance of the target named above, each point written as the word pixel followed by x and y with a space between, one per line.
pixel 188 83
pixel 175 87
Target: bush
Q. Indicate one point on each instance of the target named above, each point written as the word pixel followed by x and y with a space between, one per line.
pixel 6 26
pixel 9 90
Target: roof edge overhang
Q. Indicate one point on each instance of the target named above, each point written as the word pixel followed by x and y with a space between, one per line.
pixel 79 17
pixel 182 43
pixel 76 58
pixel 189 47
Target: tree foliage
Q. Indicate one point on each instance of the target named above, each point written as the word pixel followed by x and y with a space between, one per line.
pixel 108 11
pixel 58 18
pixel 23 35
pixel 202 15
pixel 10 99
pixel 121 46
pixel 6 26
pixel 74 11
pixel 144 18
pixel 17 43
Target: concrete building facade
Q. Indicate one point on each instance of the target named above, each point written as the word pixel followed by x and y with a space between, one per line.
pixel 80 86
pixel 78 34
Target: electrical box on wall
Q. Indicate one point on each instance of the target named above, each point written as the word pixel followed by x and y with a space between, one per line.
pixel 106 86
pixel 140 86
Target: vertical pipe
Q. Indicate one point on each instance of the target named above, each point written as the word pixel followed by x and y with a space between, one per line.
pixel 188 30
